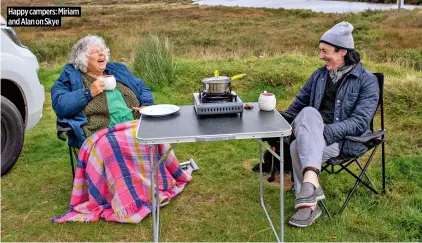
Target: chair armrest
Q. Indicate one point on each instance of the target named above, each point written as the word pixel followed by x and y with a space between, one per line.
pixel 365 139
pixel 62 128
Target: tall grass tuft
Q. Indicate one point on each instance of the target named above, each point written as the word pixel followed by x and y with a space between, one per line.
pixel 404 95
pixel 154 61
pixel 51 51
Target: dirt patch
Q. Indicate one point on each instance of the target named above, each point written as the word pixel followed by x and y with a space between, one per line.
pixel 249 163
pixel 288 185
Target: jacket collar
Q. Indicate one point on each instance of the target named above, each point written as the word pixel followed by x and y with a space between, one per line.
pixel 71 70
pixel 355 71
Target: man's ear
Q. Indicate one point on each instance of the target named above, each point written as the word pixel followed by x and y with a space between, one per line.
pixel 343 52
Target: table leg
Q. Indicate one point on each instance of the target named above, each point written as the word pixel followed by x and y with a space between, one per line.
pixel 157 194
pixel 153 202
pixel 281 190
pixel 155 197
pixel 261 195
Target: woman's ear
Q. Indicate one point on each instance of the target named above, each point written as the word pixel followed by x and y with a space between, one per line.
pixel 343 52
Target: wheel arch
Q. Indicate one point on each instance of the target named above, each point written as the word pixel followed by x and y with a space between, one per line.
pixel 13 92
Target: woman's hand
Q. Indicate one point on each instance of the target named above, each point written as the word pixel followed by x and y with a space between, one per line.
pixel 97 87
pixel 138 108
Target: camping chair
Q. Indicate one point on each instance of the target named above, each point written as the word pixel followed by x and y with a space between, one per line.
pixel 372 141
pixel 61 129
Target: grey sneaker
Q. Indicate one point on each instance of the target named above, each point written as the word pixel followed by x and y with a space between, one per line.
pixel 305 217
pixel 308 196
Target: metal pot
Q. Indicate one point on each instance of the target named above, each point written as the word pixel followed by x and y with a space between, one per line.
pixel 220 84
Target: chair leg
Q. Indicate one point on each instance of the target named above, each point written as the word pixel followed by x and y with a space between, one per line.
pixel 359 180
pixel 364 183
pixel 71 162
pixel 344 166
pixel 324 168
pixel 325 208
pixel 366 175
pixel 383 166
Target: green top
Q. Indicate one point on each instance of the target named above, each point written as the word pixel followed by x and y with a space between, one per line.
pixel 117 107
pixel 105 110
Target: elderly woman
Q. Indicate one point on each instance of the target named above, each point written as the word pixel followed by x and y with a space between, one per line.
pixel 111 179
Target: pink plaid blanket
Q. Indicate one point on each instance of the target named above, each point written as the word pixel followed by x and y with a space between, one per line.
pixel 112 180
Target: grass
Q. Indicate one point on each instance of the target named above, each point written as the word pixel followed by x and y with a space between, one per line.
pixel 221 203
pixel 154 61
pixel 202 32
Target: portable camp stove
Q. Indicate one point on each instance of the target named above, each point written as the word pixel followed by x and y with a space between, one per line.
pixel 207 103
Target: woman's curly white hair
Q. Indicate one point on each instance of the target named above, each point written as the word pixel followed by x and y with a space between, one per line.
pixel 78 57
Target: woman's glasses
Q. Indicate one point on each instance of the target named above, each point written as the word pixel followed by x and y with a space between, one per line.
pixel 97 51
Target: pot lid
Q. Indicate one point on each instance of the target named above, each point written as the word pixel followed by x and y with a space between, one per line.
pixel 217 80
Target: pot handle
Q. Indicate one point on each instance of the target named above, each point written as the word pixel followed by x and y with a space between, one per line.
pixel 238 76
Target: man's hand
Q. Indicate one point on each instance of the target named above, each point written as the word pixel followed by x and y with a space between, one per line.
pixel 97 87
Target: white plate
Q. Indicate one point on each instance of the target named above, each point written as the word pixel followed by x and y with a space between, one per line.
pixel 159 110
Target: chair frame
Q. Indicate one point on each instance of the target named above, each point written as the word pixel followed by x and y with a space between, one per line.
pixel 377 138
pixel 72 150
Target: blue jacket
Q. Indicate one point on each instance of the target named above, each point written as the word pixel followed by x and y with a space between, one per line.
pixel 356 102
pixel 69 97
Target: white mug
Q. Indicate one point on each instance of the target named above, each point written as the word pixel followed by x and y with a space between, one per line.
pixel 266 101
pixel 109 82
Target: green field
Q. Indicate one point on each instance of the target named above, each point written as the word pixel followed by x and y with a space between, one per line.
pixel 278 51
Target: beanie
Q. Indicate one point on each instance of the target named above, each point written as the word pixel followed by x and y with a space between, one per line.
pixel 339 36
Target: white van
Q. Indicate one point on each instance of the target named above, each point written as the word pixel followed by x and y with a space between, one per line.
pixel 22 95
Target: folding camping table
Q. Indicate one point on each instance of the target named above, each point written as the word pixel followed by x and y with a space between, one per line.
pixel 184 126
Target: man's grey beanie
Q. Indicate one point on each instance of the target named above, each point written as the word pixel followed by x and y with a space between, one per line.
pixel 340 36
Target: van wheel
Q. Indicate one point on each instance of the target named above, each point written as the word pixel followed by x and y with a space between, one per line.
pixel 12 135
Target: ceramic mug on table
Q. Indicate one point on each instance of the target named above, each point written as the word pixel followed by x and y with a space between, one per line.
pixel 266 101
pixel 109 82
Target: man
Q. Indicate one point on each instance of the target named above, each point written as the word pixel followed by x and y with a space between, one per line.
pixel 338 100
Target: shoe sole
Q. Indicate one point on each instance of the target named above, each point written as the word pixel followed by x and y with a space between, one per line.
pixel 310 204
pixel 305 225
